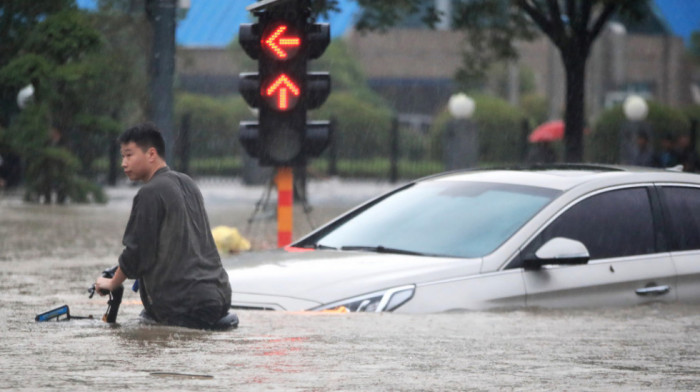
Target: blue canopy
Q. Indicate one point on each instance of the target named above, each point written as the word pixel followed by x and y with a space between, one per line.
pixel 214 23
pixel 682 16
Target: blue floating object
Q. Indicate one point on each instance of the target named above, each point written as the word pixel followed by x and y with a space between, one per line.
pixel 54 314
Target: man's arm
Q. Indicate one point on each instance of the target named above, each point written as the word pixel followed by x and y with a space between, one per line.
pixel 110 284
pixel 141 235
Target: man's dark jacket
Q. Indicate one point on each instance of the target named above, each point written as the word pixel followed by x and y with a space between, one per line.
pixel 170 249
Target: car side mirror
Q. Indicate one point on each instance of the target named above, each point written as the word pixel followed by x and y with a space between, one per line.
pixel 558 251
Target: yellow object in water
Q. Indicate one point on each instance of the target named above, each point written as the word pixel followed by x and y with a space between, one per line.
pixel 229 240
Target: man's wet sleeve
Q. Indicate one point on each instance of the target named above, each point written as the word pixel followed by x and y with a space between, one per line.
pixel 141 236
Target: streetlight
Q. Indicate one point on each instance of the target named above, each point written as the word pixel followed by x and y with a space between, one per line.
pixel 461 139
pixel 25 96
pixel 635 128
pixel 635 108
pixel 461 106
pixel 10 162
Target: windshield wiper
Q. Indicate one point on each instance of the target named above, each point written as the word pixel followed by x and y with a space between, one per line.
pixel 382 249
pixel 320 246
pixel 315 246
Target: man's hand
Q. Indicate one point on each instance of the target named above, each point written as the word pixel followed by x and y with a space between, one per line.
pixel 104 285
pixel 109 284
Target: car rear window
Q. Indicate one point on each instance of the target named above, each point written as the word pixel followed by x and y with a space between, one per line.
pixel 443 218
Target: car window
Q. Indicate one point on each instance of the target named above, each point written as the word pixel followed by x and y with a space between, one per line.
pixel 611 224
pixel 683 206
pixel 443 218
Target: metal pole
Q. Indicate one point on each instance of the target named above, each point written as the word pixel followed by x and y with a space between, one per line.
pixel 113 156
pixel 161 15
pixel 300 183
pixel 693 133
pixel 524 133
pixel 333 150
pixel 394 135
pixel 184 143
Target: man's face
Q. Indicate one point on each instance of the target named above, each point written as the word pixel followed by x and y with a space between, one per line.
pixel 135 162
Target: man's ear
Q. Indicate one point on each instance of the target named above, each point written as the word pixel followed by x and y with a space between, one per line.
pixel 152 154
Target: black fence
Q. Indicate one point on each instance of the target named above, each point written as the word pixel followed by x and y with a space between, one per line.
pixel 409 152
pixel 406 151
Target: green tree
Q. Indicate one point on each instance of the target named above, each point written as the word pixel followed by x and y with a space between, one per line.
pixel 491 26
pixel 156 20
pixel 60 56
pixel 17 19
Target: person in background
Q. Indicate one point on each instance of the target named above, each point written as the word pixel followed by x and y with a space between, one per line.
pixel 644 155
pixel 542 152
pixel 667 157
pixel 686 154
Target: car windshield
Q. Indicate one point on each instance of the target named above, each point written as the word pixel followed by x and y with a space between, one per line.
pixel 440 218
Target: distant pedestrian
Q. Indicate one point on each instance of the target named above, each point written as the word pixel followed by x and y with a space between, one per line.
pixel 668 156
pixel 687 156
pixel 542 152
pixel 644 153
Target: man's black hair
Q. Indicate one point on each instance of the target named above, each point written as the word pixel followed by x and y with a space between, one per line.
pixel 145 135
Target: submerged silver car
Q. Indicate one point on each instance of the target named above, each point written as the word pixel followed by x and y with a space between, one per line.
pixel 565 236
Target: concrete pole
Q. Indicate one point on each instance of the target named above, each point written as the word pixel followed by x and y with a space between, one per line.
pixel 161 16
pixel 554 104
pixel 513 84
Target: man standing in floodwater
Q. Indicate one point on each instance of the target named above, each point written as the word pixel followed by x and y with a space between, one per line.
pixel 168 243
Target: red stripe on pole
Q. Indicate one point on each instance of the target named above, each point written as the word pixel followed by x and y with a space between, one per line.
pixel 284 238
pixel 286 198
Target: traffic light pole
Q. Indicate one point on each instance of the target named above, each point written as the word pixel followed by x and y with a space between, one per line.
pixel 284 179
pixel 283 41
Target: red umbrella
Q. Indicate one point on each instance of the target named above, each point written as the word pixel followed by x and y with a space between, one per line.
pixel 548 132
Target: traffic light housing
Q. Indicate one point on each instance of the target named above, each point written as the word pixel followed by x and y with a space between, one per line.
pixel 282 90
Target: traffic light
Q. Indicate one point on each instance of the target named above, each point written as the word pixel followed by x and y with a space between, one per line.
pixel 283 41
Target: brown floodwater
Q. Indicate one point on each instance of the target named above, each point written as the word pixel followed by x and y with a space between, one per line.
pixel 49 255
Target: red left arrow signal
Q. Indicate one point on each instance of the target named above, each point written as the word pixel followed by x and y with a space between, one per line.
pixel 286 90
pixel 281 46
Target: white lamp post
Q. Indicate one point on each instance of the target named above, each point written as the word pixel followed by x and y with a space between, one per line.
pixel 25 96
pixel 635 108
pixel 461 141
pixel 461 106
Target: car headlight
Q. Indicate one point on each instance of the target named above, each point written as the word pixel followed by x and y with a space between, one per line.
pixel 379 301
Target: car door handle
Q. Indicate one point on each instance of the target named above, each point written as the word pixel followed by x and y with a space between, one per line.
pixel 653 291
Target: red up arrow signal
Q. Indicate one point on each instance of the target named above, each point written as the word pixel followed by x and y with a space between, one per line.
pixel 287 91
pixel 281 46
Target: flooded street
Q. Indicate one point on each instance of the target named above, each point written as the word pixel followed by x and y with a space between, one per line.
pixel 49 255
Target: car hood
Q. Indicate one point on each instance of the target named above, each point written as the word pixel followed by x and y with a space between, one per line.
pixel 303 280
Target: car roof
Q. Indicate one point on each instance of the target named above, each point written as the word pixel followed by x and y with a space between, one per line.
pixel 566 176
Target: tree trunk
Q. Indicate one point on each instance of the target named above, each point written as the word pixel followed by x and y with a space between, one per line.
pixel 575 68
